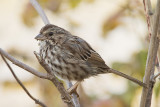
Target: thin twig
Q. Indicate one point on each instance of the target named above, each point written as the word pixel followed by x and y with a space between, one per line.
pixel 23 66
pixel 149 15
pixel 21 84
pixel 61 89
pixel 158 74
pixel 127 77
pixel 36 5
pixel 65 95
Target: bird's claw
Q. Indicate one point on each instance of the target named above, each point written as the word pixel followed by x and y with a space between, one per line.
pixel 73 89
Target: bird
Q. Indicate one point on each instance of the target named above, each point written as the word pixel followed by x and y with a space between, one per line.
pixel 71 57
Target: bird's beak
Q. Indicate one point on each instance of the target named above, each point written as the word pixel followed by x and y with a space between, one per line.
pixel 40 37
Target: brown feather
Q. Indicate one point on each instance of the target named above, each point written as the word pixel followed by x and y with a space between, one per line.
pixel 69 56
pixel 79 48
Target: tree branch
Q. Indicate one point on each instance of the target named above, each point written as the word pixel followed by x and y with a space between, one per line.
pixel 65 96
pixel 46 21
pixel 158 55
pixel 149 15
pixel 127 77
pixel 158 74
pixel 21 84
pixel 152 52
pixel 23 66
pixel 40 11
pixel 75 97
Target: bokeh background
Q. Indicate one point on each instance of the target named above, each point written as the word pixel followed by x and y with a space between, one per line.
pixel 116 29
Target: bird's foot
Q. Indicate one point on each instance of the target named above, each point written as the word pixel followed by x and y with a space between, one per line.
pixel 73 89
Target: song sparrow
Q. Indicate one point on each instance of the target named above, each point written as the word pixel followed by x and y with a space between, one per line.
pixel 70 57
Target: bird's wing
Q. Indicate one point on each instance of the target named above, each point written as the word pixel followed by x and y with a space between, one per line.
pixel 82 51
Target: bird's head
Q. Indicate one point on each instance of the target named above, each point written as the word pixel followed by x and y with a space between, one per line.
pixel 49 31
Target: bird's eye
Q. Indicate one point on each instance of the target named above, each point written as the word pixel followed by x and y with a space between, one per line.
pixel 50 33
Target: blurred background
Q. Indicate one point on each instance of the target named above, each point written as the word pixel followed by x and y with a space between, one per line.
pixel 116 29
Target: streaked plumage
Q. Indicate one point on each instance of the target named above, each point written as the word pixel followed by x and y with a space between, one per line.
pixel 70 57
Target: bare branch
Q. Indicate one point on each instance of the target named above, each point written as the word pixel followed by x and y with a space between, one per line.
pixel 46 21
pixel 127 77
pixel 21 84
pixel 40 11
pixel 149 15
pixel 65 95
pixel 158 74
pixel 158 55
pixel 152 52
pixel 75 97
pixel 23 66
